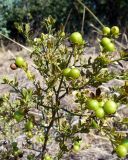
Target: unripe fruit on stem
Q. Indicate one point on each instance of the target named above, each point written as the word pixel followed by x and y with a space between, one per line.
pixel 92 104
pixel 20 62
pixel 76 148
pixel 105 41
pixel 110 47
pixel 106 30
pixel 115 30
pixel 47 157
pixel 76 38
pixel 66 71
pixel 110 107
pixel 74 73
pixel 99 113
pixel 125 143
pixel 121 151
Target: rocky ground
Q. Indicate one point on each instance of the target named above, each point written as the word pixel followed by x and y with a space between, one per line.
pixel 94 147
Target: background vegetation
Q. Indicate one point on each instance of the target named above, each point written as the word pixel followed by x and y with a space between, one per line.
pixel 67 12
pixel 58 93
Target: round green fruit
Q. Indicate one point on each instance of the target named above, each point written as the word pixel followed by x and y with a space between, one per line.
pixel 92 104
pixel 121 151
pixel 66 72
pixel 20 62
pixel 125 143
pixel 99 113
pixel 110 47
pixel 76 38
pixel 110 107
pixel 74 73
pixel 47 157
pixel 76 148
pixel 115 30
pixel 105 41
pixel 106 30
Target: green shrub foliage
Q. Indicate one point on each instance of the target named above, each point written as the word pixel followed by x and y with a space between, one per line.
pixel 38 112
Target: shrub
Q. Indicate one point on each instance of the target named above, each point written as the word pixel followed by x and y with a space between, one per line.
pixel 51 57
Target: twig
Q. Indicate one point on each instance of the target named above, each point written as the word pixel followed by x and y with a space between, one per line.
pixel 119 44
pixel 63 95
pixel 121 131
pixel 67 18
pixel 90 12
pixel 16 42
pixel 83 19
pixel 96 28
pixel 73 113
pixel 32 150
pixel 54 112
pixel 47 133
pixel 35 114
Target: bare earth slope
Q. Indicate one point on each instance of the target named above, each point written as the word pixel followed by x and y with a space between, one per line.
pixel 93 147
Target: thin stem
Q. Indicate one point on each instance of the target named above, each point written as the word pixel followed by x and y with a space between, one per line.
pixel 70 56
pixel 120 44
pixel 57 45
pixel 84 66
pixel 48 130
pixel 31 150
pixel 96 28
pixel 54 112
pixel 117 60
pixel 41 155
pixel 121 131
pixel 90 12
pixel 68 18
pixel 63 95
pixel 61 81
pixel 16 42
pixel 83 19
pixel 73 113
